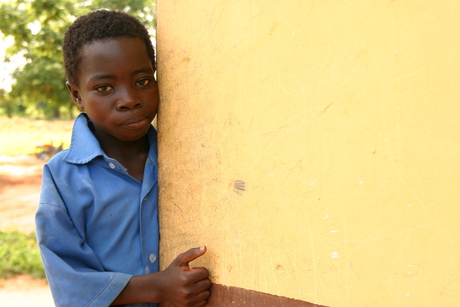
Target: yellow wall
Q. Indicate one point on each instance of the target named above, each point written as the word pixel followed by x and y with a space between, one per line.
pixel 342 118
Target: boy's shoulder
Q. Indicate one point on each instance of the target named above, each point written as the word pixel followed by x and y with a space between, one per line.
pixel 58 159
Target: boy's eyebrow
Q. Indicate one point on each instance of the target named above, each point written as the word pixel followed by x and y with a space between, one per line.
pixel 109 76
pixel 145 69
pixel 101 76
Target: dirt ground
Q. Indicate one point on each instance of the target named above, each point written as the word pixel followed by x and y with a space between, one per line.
pixel 20 179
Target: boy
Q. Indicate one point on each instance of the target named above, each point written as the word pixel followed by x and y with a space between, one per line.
pixel 97 223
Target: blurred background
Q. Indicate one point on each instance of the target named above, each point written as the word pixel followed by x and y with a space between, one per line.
pixel 36 115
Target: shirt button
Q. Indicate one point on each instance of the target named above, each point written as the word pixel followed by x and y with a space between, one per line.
pixel 112 166
pixel 152 258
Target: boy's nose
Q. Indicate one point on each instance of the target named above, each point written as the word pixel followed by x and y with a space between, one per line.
pixel 128 100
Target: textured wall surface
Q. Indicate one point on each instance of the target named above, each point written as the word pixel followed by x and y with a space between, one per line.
pixel 314 146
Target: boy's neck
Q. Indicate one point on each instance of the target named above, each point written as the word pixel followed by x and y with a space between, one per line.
pixel 131 155
pixel 127 152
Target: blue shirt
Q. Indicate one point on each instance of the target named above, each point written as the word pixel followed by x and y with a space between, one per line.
pixel 97 226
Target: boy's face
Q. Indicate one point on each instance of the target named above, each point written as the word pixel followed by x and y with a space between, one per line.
pixel 117 88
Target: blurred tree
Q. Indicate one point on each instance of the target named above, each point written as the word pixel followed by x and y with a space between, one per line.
pixel 38 27
pixel 5 103
pixel 9 106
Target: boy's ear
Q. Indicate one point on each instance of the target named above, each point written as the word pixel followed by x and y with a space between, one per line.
pixel 75 93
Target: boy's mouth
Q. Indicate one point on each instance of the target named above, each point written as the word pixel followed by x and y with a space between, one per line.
pixel 136 123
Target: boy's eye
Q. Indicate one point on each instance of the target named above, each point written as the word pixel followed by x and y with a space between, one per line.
pixel 143 82
pixel 104 88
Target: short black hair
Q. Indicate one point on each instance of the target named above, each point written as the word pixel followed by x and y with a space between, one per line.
pixel 100 25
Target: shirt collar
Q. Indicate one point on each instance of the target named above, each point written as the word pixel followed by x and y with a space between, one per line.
pixel 84 146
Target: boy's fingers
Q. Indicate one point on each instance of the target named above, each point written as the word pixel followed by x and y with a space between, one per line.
pixel 199 273
pixel 201 292
pixel 201 298
pixel 203 286
pixel 190 255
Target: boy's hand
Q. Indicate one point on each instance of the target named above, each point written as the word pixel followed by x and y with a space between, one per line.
pixel 185 286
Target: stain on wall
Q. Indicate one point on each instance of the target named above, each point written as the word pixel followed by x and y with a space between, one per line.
pixel 313 147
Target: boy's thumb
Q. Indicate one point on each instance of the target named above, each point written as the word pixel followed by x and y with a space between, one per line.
pixel 190 255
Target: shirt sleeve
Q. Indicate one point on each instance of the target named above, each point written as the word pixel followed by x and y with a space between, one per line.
pixel 74 272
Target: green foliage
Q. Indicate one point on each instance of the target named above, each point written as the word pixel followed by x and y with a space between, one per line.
pixel 43 81
pixel 38 27
pixel 19 254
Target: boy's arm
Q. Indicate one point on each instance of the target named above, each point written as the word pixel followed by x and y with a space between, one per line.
pixel 74 272
pixel 177 284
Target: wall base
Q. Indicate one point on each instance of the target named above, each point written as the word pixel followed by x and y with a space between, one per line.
pixel 223 296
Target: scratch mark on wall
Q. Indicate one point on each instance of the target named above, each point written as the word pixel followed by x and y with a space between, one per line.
pixel 290 171
pixel 327 107
pixel 239 186
pixel 281 85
